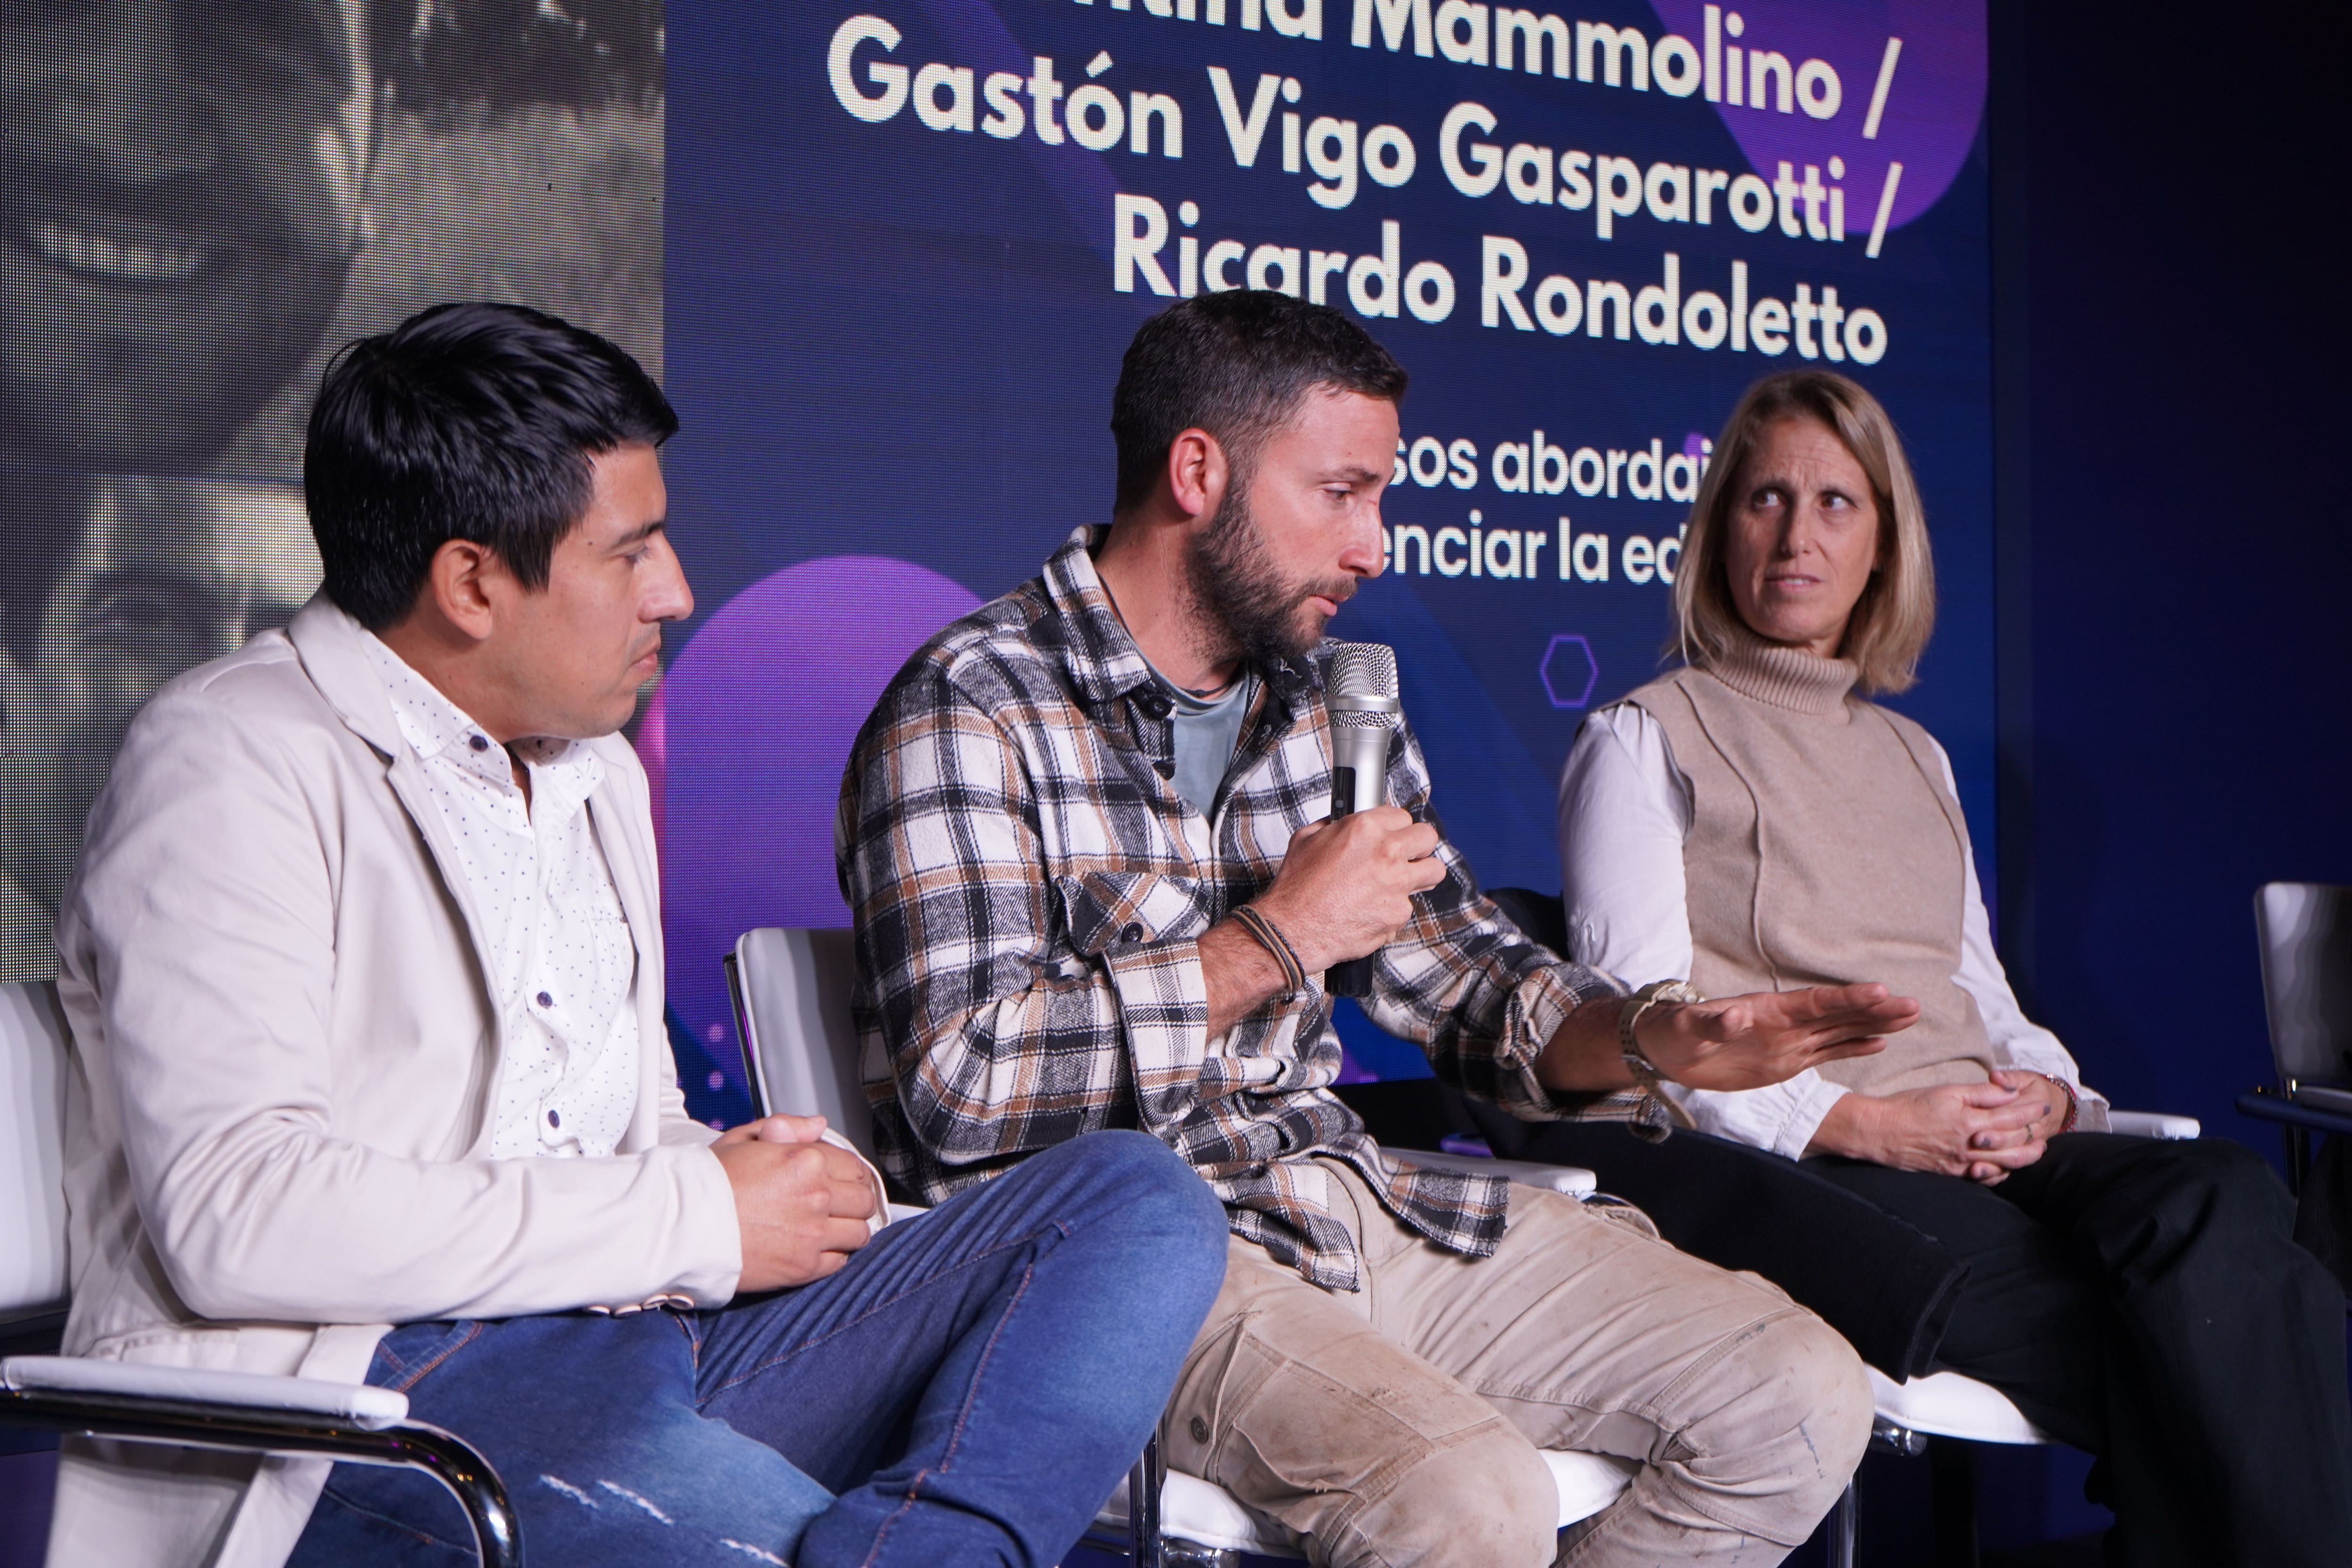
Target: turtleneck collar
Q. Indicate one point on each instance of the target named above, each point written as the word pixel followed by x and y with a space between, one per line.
pixel 1784 677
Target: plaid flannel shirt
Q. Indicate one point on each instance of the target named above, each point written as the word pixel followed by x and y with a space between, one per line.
pixel 1028 890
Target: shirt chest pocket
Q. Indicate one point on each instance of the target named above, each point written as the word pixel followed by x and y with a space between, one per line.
pixel 588 942
pixel 1122 909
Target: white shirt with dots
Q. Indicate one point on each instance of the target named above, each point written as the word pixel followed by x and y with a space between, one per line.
pixel 563 964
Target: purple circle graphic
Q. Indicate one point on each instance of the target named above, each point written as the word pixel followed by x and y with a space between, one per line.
pixel 1936 93
pixel 746 738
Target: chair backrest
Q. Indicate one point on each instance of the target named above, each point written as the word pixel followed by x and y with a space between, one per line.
pixel 792 1006
pixel 32 1150
pixel 2306 937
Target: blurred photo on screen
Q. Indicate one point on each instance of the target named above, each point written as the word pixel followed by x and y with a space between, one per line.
pixel 199 201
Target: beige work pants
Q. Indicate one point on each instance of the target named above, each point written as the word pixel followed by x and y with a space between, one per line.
pixel 1399 1424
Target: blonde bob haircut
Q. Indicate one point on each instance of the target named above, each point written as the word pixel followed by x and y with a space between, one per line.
pixel 1897 613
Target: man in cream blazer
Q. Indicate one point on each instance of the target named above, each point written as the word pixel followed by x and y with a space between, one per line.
pixel 366 911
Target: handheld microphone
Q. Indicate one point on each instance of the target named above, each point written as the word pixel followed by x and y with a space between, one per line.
pixel 1361 697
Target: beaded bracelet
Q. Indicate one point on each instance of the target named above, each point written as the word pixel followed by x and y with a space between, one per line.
pixel 2073 1102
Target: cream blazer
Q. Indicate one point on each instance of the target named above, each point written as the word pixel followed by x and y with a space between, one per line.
pixel 276 1138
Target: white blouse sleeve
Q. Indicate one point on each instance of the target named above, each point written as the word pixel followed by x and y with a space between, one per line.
pixel 1624 811
pixel 2006 1027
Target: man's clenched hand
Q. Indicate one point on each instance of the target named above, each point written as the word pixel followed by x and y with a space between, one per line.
pixel 803 1205
pixel 1345 887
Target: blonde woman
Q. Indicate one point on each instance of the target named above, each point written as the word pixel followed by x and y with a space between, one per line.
pixel 1752 821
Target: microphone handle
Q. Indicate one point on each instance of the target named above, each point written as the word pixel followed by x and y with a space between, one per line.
pixel 1360 781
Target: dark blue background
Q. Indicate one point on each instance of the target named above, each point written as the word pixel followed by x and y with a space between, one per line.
pixel 887 340
pixel 2175 729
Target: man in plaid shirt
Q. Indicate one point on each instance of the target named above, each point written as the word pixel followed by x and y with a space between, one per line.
pixel 1081 837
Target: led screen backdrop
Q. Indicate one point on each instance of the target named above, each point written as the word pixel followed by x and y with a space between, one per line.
pixel 908 241
pixel 904 242
pixel 199 200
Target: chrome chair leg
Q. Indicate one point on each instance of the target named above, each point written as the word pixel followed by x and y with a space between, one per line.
pixel 1888 1438
pixel 1842 1530
pixel 1143 1485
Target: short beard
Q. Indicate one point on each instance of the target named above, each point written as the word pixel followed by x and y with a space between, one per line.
pixel 1261 618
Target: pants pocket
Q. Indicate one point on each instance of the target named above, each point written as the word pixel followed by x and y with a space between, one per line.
pixel 408 1353
pixel 1618 1212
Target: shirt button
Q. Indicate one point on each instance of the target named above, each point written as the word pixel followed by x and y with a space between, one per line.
pixel 555 1119
pixel 545 1000
pixel 1133 932
pixel 479 743
pixel 1200 1430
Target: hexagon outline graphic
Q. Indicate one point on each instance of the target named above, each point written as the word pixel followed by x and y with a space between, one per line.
pixel 1556 688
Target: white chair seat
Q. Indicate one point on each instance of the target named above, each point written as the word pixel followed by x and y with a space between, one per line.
pixel 1574 1180
pixel 1588 1482
pixel 1946 1404
pixel 1207 1515
pixel 2153 1124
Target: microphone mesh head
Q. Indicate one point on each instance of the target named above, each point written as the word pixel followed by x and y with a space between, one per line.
pixel 1363 672
pixel 1363 669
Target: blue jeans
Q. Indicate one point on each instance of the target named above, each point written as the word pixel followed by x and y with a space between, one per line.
pixel 968 1390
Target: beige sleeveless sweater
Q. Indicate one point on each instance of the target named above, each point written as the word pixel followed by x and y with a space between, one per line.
pixel 1823 848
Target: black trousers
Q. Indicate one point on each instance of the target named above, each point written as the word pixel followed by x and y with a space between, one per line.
pixel 2147 1302
pixel 2142 1300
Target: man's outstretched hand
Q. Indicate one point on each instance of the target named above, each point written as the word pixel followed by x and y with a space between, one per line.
pixel 1733 1043
pixel 802 1203
pixel 1748 1042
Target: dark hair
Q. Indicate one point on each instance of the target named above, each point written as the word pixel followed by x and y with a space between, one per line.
pixel 1235 365
pixel 472 422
